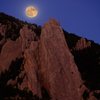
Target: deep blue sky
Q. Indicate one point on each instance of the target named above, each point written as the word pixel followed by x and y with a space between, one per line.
pixel 81 17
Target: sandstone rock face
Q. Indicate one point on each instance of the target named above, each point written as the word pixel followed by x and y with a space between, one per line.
pixel 27 36
pixel 57 68
pixel 40 63
pixel 10 51
pixel 31 69
pixel 49 59
pixel 47 63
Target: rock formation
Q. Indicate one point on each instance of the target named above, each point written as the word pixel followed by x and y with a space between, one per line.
pixel 46 63
pixel 57 64
pixel 82 44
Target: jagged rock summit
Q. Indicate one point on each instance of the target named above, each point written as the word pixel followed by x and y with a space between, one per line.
pixel 43 63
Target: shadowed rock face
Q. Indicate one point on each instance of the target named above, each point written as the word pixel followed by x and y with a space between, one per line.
pixel 46 63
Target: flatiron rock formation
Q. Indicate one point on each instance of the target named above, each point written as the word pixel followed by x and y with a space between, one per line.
pixel 57 64
pixel 46 63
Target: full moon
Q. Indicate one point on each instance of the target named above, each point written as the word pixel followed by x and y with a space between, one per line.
pixel 31 12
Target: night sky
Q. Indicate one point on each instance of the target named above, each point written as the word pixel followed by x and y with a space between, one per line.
pixel 81 17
